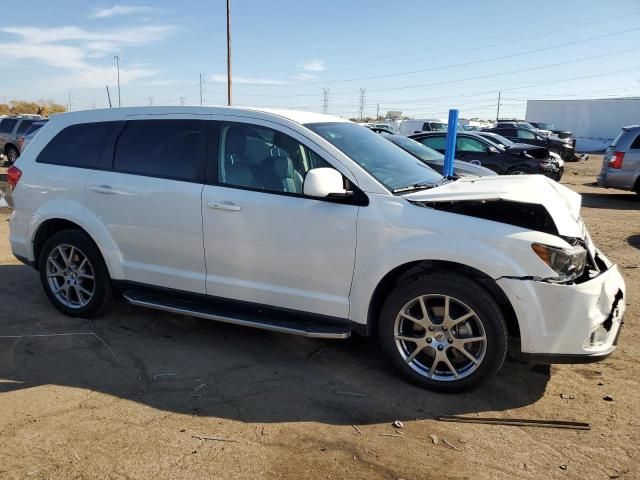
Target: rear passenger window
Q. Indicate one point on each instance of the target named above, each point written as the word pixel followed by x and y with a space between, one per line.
pixel 79 145
pixel 636 143
pixel 6 125
pixel 159 148
pixel 23 126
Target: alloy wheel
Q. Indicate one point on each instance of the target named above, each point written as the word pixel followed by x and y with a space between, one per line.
pixel 440 337
pixel 70 276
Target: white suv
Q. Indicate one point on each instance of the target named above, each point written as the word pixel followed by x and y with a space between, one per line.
pixel 308 224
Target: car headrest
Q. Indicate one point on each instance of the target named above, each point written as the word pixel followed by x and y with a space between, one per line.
pixel 283 167
pixel 236 140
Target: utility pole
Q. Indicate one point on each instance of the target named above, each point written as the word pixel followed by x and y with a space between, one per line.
pixel 69 101
pixel 200 89
pixel 108 95
pixel 325 100
pixel 182 100
pixel 151 101
pixel 378 112
pixel 117 59
pixel 498 112
pixel 229 52
pixel 362 94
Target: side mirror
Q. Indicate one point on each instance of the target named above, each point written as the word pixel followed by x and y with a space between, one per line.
pixel 325 183
pixel 492 150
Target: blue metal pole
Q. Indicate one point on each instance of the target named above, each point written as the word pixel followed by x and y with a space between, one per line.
pixel 450 149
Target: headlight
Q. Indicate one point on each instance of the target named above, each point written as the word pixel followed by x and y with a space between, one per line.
pixel 568 263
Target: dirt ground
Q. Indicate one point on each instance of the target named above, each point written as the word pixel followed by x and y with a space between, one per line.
pixel 127 395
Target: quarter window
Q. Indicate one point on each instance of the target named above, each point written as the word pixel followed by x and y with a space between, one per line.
pixel 6 125
pixel 79 145
pixel 265 159
pixel 159 148
pixel 636 143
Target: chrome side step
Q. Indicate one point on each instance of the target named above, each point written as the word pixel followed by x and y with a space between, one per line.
pixel 296 326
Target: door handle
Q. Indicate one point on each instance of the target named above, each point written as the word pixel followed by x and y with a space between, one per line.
pixel 102 189
pixel 223 206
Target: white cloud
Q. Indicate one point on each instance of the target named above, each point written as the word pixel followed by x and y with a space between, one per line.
pixel 314 65
pixel 303 76
pixel 246 80
pixel 118 10
pixel 72 49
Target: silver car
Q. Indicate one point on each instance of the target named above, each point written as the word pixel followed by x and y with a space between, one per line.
pixel 621 164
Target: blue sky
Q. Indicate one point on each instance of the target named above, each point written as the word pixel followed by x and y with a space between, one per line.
pixel 416 56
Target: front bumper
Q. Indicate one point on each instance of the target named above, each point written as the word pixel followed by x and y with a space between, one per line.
pixel 569 323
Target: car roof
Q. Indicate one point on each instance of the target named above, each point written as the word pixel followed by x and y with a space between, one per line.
pixel 298 116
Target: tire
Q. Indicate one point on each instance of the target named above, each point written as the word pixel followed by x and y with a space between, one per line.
pixel 465 295
pixel 12 154
pixel 520 171
pixel 67 261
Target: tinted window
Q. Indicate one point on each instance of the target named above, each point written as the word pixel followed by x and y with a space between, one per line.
pixel 437 143
pixel 159 148
pixel 417 149
pixel 526 134
pixel 466 144
pixel 636 143
pixel 6 125
pixel 262 158
pixel 507 132
pixel 24 125
pixel 78 145
pixel 33 128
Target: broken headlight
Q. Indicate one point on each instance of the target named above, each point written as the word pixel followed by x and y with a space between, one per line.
pixel 568 263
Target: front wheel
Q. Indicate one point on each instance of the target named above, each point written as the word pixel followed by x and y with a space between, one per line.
pixel 74 275
pixel 443 332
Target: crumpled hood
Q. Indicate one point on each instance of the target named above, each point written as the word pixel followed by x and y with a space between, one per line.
pixel 562 203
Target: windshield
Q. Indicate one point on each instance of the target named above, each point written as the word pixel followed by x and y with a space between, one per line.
pixel 500 140
pixel 438 127
pixel 386 162
pixel 526 125
pixel 416 149
pixel 547 126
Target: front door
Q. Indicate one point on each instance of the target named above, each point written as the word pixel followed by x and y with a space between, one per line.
pixel 265 242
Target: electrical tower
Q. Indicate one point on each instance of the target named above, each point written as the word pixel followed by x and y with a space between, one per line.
pixel 325 100
pixel 182 100
pixel 362 98
pixel 151 101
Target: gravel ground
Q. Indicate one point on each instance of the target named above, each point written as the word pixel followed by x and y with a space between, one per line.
pixel 134 393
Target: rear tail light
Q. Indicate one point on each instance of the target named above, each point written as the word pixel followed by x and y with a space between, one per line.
pixel 616 160
pixel 13 176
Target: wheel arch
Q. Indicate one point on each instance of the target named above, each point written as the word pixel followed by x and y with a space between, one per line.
pixel 411 270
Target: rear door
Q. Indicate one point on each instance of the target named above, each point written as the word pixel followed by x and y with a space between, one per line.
pixel 149 197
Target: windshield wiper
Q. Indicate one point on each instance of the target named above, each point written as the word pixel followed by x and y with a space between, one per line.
pixel 417 186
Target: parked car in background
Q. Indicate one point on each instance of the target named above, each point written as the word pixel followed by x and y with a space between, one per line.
pixel 10 129
pixel 409 127
pixel 516 159
pixel 504 142
pixel 309 224
pixel 435 159
pixel 380 128
pixel 23 140
pixel 621 162
pixel 555 130
pixel 563 147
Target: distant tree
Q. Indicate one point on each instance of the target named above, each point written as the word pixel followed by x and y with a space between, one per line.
pixel 41 107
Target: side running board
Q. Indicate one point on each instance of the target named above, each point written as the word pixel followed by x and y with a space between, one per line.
pixel 285 322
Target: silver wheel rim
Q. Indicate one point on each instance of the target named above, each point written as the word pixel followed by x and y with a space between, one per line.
pixel 440 337
pixel 12 155
pixel 70 276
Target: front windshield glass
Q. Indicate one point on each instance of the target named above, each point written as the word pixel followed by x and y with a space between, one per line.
pixel 438 127
pixel 527 125
pixel 500 140
pixel 386 162
pixel 417 149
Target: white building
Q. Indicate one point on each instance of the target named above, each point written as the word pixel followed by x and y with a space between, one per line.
pixel 595 122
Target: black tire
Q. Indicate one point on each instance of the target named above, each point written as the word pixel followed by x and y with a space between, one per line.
pixel 102 286
pixel 520 171
pixel 468 293
pixel 12 154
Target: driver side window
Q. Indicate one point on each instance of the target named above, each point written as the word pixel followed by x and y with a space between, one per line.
pixel 526 134
pixel 265 159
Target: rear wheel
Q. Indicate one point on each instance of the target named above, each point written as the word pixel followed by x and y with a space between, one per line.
pixel 443 332
pixel 12 154
pixel 74 275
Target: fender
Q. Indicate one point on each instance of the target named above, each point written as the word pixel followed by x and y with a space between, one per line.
pixel 75 212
